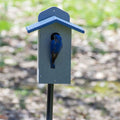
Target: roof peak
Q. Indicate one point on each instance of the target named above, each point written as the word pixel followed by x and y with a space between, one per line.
pixel 54 11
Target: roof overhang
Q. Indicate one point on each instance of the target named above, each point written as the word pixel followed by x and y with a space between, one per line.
pixel 51 20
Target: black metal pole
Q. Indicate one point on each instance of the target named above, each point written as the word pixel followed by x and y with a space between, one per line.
pixel 50 101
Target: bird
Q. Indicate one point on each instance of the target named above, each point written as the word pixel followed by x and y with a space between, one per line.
pixel 55 47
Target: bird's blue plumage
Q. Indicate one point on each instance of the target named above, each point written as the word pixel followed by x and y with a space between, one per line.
pixel 55 48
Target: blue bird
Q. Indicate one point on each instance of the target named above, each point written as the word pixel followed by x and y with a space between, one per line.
pixel 56 46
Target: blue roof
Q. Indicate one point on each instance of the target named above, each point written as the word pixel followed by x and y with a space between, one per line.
pixel 51 20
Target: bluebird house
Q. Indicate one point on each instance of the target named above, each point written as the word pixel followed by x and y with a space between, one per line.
pixel 50 21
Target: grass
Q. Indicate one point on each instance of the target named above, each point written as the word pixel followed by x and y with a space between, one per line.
pixel 113 26
pixel 2 43
pixel 93 12
pixel 17 50
pixel 31 58
pixel 23 92
pixel 107 88
pixel 5 25
pixel 2 63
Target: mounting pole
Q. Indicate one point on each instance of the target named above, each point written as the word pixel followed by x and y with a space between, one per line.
pixel 50 101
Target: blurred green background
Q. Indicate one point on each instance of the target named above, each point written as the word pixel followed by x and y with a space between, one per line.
pixel 94 15
pixel 95 88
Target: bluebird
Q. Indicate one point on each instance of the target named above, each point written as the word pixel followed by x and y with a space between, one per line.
pixel 56 46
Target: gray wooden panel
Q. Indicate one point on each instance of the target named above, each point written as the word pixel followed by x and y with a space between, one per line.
pixel 62 72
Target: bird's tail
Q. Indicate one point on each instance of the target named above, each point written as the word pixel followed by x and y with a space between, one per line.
pixel 52 63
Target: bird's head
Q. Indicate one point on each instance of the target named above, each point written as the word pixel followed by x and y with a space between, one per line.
pixel 56 37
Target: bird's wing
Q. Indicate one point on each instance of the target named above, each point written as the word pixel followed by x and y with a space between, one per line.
pixel 53 46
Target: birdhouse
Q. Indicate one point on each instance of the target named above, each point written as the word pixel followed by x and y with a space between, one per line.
pixel 50 21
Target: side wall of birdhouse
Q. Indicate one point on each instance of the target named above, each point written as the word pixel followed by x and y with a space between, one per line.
pixel 62 72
